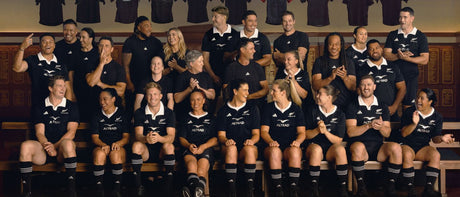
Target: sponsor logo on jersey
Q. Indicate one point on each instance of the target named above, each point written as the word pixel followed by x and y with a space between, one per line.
pixel 396 40
pixel 291 115
pixel 145 49
pixel 110 127
pixel 378 111
pixel 55 120
pixel 359 112
pixel 197 126
pixel 190 122
pixel 86 58
pixel 48 73
pixel 229 115
pixel 220 45
pixel 432 122
pixel 248 74
pixel 423 129
pixel 118 119
pixel 334 120
pixel 154 129
pixel 65 111
pixel 45 113
pixel 381 79
pixel 102 120
pixel 207 121
pixel 283 121
pixel 274 116
pixel 288 42
pixel 162 121
pixel 404 45
pixel 213 39
pixel 368 120
pixel 69 53
pixel 246 113
pixel 237 119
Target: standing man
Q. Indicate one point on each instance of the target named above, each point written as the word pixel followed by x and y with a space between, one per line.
pixel 290 40
pixel 40 67
pixel 408 47
pixel 56 121
pixel 70 44
pixel 261 42
pixel 391 87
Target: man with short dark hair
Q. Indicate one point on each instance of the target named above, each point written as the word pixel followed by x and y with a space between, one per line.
pixel 391 87
pixel 261 42
pixel 408 47
pixel 56 120
pixel 289 41
pixel 70 44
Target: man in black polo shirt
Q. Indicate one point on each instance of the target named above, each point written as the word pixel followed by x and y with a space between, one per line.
pixel 108 73
pixel 250 71
pixel 408 47
pixel 289 41
pixel 391 87
pixel 56 121
pixel 40 67
pixel 368 122
pixel 70 44
pixel 261 42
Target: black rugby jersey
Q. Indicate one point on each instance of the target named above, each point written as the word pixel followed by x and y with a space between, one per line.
pixel 386 76
pixel 357 11
pixel 55 119
pixel 334 122
pixel 304 81
pixel 198 129
pixel 428 127
pixel 390 11
pixel 162 11
pixel 110 127
pixel 317 12
pixel 252 73
pixel 88 11
pixel 415 42
pixel 358 56
pixel 236 9
pixel 126 11
pixel 283 123
pixel 165 83
pixel 291 43
pixel 40 71
pixel 197 12
pixel 275 10
pixel 217 45
pixel 261 44
pixel 363 115
pixel 181 62
pixel 143 117
pixel 326 70
pixel 238 123
pixel 50 12
pixel 66 52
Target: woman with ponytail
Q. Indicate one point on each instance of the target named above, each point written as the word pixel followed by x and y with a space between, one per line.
pixel 283 130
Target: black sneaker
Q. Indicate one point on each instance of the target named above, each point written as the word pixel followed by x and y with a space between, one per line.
pixel 185 192
pixel 26 194
pixel 99 189
pixel 411 192
pixel 429 192
pixel 140 191
pixel 279 191
pixel 390 190
pixel 293 191
pixel 250 189
pixel 362 191
pixel 343 190
pixel 116 190
pixel 314 189
pixel 231 189
pixel 199 192
pixel 71 192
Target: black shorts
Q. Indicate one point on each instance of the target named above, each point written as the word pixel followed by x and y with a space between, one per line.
pixel 416 148
pixel 411 90
pixel 154 152
pixel 207 154
pixel 372 148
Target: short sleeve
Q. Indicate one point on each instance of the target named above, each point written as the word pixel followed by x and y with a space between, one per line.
pixel 423 44
pixel 303 40
pixel 438 127
pixel 221 121
pixel 181 83
pixel 169 84
pixel 74 113
pixel 139 89
pixel 170 119
pixel 94 125
pixel 309 119
pixel 351 111
pixel 181 130
pixel 385 113
pixel 38 116
pixel 389 42
pixel 121 74
pixel 255 121
pixel 139 117
pixel 127 46
pixel 300 118
pixel 266 48
pixel 206 43
pixel 229 75
pixel 265 116
pixel 406 118
pixel 398 75
pixel 260 72
pixel 351 67
pixel 341 126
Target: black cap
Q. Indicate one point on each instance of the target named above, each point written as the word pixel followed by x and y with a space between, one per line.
pixel 139 20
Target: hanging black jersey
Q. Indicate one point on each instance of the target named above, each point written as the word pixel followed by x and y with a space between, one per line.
pixel 317 12
pixel 390 11
pixel 428 127
pixel 88 11
pixel 334 122
pixel 65 52
pixel 217 44
pixel 261 44
pixel 283 123
pixel 165 83
pixel 162 11
pixel 158 123
pixel 110 127
pixel 359 111
pixel 126 11
pixel 357 12
pixel 252 73
pixel 40 71
pixel 197 12
pixel 198 129
pixel 290 43
pixel 358 56
pixel 386 76
pixel 50 12
pixel 55 119
pixel 142 52
pixel 238 123
pixel 275 11
pixel 304 81
pixel 236 9
pixel 415 42
pixel 325 68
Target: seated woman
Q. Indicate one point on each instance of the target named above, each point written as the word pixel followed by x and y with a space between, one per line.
pixel 325 131
pixel 155 132
pixel 166 83
pixel 420 124
pixel 109 128
pixel 283 130
pixel 238 123
pixel 197 135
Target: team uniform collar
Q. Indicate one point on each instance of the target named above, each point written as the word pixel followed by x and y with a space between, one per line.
pixel 255 35
pixel 374 103
pixel 285 109
pixel 359 50
pixel 371 64
pixel 236 108
pixel 109 115
pixel 327 114
pixel 229 30
pixel 41 58
pixel 160 112
pixel 198 116
pixel 426 116
pixel 413 32
pixel 295 74
pixel 61 104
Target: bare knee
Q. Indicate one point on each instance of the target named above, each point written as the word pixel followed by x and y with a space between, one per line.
pixel 27 148
pixel 168 148
pixel 357 151
pixel 68 147
pixel 117 156
pixel 138 148
pixel 99 157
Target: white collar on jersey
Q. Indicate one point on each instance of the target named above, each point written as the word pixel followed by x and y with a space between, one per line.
pixel 255 35
pixel 361 51
pixel 198 116
pixel 286 73
pixel 413 32
pixel 285 109
pixel 109 115
pixel 41 58
pixel 48 103
pixel 229 30
pixel 371 64
pixel 236 108
pixel 160 112
pixel 361 102
pixel 327 114
pixel 426 116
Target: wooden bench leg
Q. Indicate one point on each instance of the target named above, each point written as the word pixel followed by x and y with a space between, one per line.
pixel 350 180
pixel 442 181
